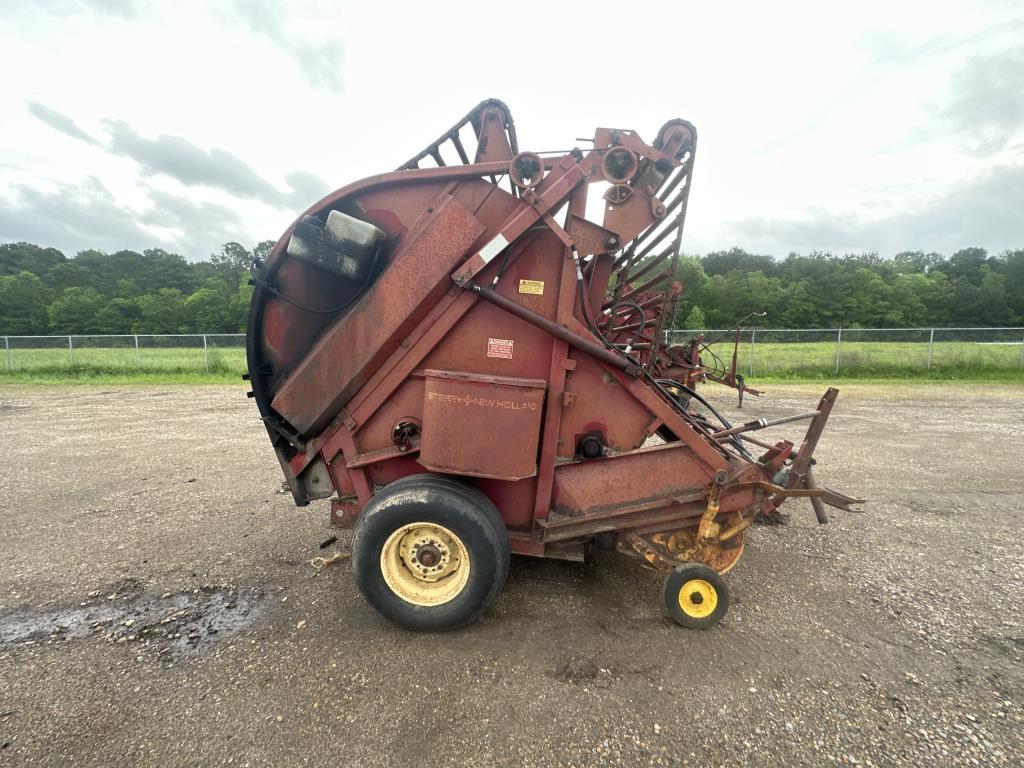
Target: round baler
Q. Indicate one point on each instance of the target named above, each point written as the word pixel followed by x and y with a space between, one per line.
pixel 468 366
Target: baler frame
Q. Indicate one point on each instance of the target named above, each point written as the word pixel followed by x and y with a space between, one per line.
pixel 689 499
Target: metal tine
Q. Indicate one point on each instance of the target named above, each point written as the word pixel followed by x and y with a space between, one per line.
pixel 650 283
pixel 641 239
pixel 459 148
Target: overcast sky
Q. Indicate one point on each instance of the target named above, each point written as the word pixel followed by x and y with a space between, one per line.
pixel 845 127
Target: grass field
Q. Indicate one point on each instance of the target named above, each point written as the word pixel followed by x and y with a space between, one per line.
pixel 771 361
pixel 876 360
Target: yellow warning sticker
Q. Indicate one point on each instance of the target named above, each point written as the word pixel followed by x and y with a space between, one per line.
pixel 532 286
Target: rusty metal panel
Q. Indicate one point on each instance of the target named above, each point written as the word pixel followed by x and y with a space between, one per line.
pixel 484 426
pixel 351 349
pixel 649 474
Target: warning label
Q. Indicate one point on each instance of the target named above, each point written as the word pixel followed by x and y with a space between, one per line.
pixel 532 286
pixel 500 348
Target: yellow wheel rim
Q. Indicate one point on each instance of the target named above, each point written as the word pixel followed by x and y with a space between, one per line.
pixel 425 564
pixel 698 598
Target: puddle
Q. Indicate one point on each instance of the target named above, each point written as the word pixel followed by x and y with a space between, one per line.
pixel 179 624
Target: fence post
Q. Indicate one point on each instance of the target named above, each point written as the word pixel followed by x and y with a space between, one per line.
pixel 138 358
pixel 7 351
pixel 206 353
pixel 839 344
pixel 931 341
pixel 750 370
pixel 71 352
pixel 1022 351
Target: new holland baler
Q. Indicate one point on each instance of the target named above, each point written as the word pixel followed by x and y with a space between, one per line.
pixel 469 362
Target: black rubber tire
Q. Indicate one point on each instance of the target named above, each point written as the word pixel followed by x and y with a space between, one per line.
pixel 674 583
pixel 462 509
pixel 457 485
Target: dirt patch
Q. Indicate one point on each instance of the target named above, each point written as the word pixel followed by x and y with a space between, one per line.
pixel 891 638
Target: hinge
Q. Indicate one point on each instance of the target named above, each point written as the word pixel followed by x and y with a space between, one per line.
pixel 347 420
pixel 568 399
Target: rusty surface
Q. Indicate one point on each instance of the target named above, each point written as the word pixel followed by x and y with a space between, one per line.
pixel 346 355
pixel 466 417
pixel 498 346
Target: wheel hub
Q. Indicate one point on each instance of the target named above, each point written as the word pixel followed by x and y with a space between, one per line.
pixel 425 555
pixel 425 563
pixel 698 598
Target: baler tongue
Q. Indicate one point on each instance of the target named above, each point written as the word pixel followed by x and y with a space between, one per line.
pixel 800 472
pixel 467 366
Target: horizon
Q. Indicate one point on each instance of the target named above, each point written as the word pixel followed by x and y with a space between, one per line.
pixel 867 129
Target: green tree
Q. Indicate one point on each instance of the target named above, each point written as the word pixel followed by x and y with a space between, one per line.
pixel 690 272
pixel 695 321
pixel 117 316
pixel 161 312
pixel 75 310
pixel 239 310
pixel 231 262
pixel 23 300
pixel 1013 271
pixel 26 257
pixel 208 310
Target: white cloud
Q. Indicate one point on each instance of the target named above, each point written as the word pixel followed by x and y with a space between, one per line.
pixel 806 112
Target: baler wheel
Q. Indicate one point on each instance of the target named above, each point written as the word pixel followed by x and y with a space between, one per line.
pixel 695 596
pixel 429 553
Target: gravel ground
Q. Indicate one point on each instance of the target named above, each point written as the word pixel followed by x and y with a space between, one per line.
pixel 157 607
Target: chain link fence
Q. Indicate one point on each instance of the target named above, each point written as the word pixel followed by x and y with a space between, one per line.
pixel 169 353
pixel 762 352
pixel 860 351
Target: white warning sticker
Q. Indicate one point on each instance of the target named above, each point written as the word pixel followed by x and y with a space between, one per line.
pixel 500 348
pixel 493 248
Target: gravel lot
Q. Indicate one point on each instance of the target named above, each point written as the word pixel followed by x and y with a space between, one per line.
pixel 157 608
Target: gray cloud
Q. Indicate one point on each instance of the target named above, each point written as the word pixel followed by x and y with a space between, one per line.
pixel 320 62
pixel 70 217
pixel 984 211
pixel 306 188
pixel 73 217
pixel 59 122
pixel 182 160
pixel 986 106
pixel 200 227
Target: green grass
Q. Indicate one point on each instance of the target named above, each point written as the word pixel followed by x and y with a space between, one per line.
pixel 169 365
pixel 798 361
pixel 869 360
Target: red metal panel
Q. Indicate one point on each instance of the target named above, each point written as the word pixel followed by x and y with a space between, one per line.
pixel 648 474
pixel 484 426
pixel 623 426
pixel 350 350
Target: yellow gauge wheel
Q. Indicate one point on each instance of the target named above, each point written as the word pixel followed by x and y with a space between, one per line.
pixel 698 598
pixel 695 596
pixel 425 564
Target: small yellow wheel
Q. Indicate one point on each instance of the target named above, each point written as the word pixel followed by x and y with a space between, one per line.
pixel 695 596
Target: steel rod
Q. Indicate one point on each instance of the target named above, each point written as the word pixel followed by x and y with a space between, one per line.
pixel 573 339
pixel 752 426
pixel 819 508
pixel 839 344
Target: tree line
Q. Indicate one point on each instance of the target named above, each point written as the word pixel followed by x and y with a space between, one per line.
pixel 822 290
pixel 42 291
